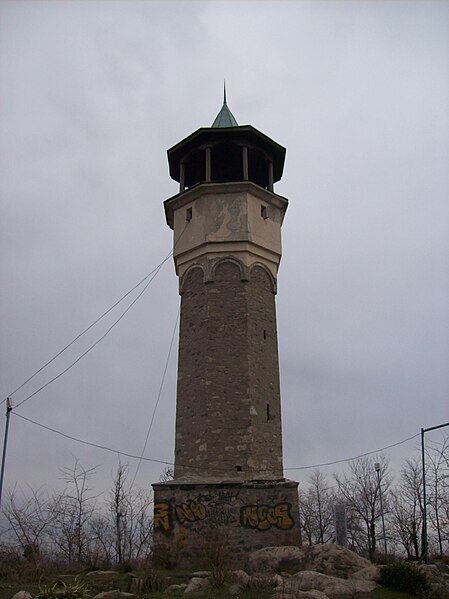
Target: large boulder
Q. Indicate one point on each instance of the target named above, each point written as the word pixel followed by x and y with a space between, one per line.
pixel 332 586
pixel 332 560
pixel 335 560
pixel 276 559
pixel 438 577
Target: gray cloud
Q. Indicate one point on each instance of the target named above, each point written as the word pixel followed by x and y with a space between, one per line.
pixel 93 94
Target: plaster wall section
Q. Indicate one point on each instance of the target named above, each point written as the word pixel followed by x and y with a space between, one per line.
pixel 244 216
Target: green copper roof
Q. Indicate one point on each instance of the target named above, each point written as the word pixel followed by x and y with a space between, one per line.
pixel 225 118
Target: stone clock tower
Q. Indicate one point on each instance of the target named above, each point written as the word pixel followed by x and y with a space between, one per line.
pixel 228 485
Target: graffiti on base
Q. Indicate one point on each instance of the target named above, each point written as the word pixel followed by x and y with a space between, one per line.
pixel 263 517
pixel 190 512
pixel 162 517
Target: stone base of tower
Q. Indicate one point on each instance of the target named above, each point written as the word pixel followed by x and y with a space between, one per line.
pixel 197 523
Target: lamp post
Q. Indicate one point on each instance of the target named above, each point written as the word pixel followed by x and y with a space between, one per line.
pixel 5 441
pixel 377 467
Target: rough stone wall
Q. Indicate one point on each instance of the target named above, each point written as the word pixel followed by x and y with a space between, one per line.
pixel 263 361
pixel 228 422
pixel 195 522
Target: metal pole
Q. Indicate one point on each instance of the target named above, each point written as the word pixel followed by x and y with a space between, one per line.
pixel 377 466
pixel 5 441
pixel 425 541
pixel 424 511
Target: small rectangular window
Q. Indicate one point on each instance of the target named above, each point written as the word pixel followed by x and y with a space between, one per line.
pixel 268 412
pixel 189 214
pixel 264 334
pixel 238 468
pixel 263 211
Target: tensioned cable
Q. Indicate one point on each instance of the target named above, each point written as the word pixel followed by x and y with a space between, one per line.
pixel 94 344
pixel 53 430
pixel 362 455
pixel 87 329
pixel 129 455
pixel 158 396
pixel 154 272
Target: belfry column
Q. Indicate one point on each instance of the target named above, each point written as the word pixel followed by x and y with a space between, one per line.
pixel 228 475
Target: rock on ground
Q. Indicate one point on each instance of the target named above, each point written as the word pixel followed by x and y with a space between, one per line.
pixel 22 595
pixel 309 580
pixel 240 577
pixel 115 594
pixel 176 587
pixel 196 584
pixel 299 595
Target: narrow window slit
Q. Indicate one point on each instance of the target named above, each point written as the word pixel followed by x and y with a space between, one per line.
pixel 264 334
pixel 189 214
pixel 263 211
pixel 268 412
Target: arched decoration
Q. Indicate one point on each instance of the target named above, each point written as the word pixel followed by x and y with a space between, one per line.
pixel 270 279
pixel 188 274
pixel 243 269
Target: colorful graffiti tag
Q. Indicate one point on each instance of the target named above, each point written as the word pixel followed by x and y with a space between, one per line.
pixel 190 512
pixel 259 517
pixel 162 517
pixel 263 517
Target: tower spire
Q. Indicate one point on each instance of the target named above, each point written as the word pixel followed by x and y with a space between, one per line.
pixel 224 118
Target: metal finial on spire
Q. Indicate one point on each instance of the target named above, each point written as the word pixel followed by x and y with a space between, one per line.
pixel 224 118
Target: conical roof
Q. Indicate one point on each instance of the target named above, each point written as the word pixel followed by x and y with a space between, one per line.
pixel 224 118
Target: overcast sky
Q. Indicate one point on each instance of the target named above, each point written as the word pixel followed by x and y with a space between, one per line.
pixel 92 94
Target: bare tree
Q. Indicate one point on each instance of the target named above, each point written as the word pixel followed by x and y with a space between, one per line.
pixel 168 473
pixel 360 490
pixel 102 539
pixel 437 472
pixel 131 514
pixel 29 519
pixel 407 509
pixel 316 507
pixel 72 512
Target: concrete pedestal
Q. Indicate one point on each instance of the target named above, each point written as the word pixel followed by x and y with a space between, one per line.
pixel 197 524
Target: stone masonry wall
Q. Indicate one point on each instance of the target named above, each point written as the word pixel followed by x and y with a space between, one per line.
pixel 194 522
pixel 228 421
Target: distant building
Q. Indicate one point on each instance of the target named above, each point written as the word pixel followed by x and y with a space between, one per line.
pixel 229 488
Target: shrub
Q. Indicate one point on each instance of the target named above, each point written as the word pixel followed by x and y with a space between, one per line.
pixel 153 581
pixel 61 590
pixel 405 577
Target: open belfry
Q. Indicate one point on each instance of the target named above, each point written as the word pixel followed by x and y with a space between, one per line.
pixel 229 490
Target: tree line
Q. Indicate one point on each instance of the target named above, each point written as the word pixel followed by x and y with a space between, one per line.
pixel 78 528
pixel 368 492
